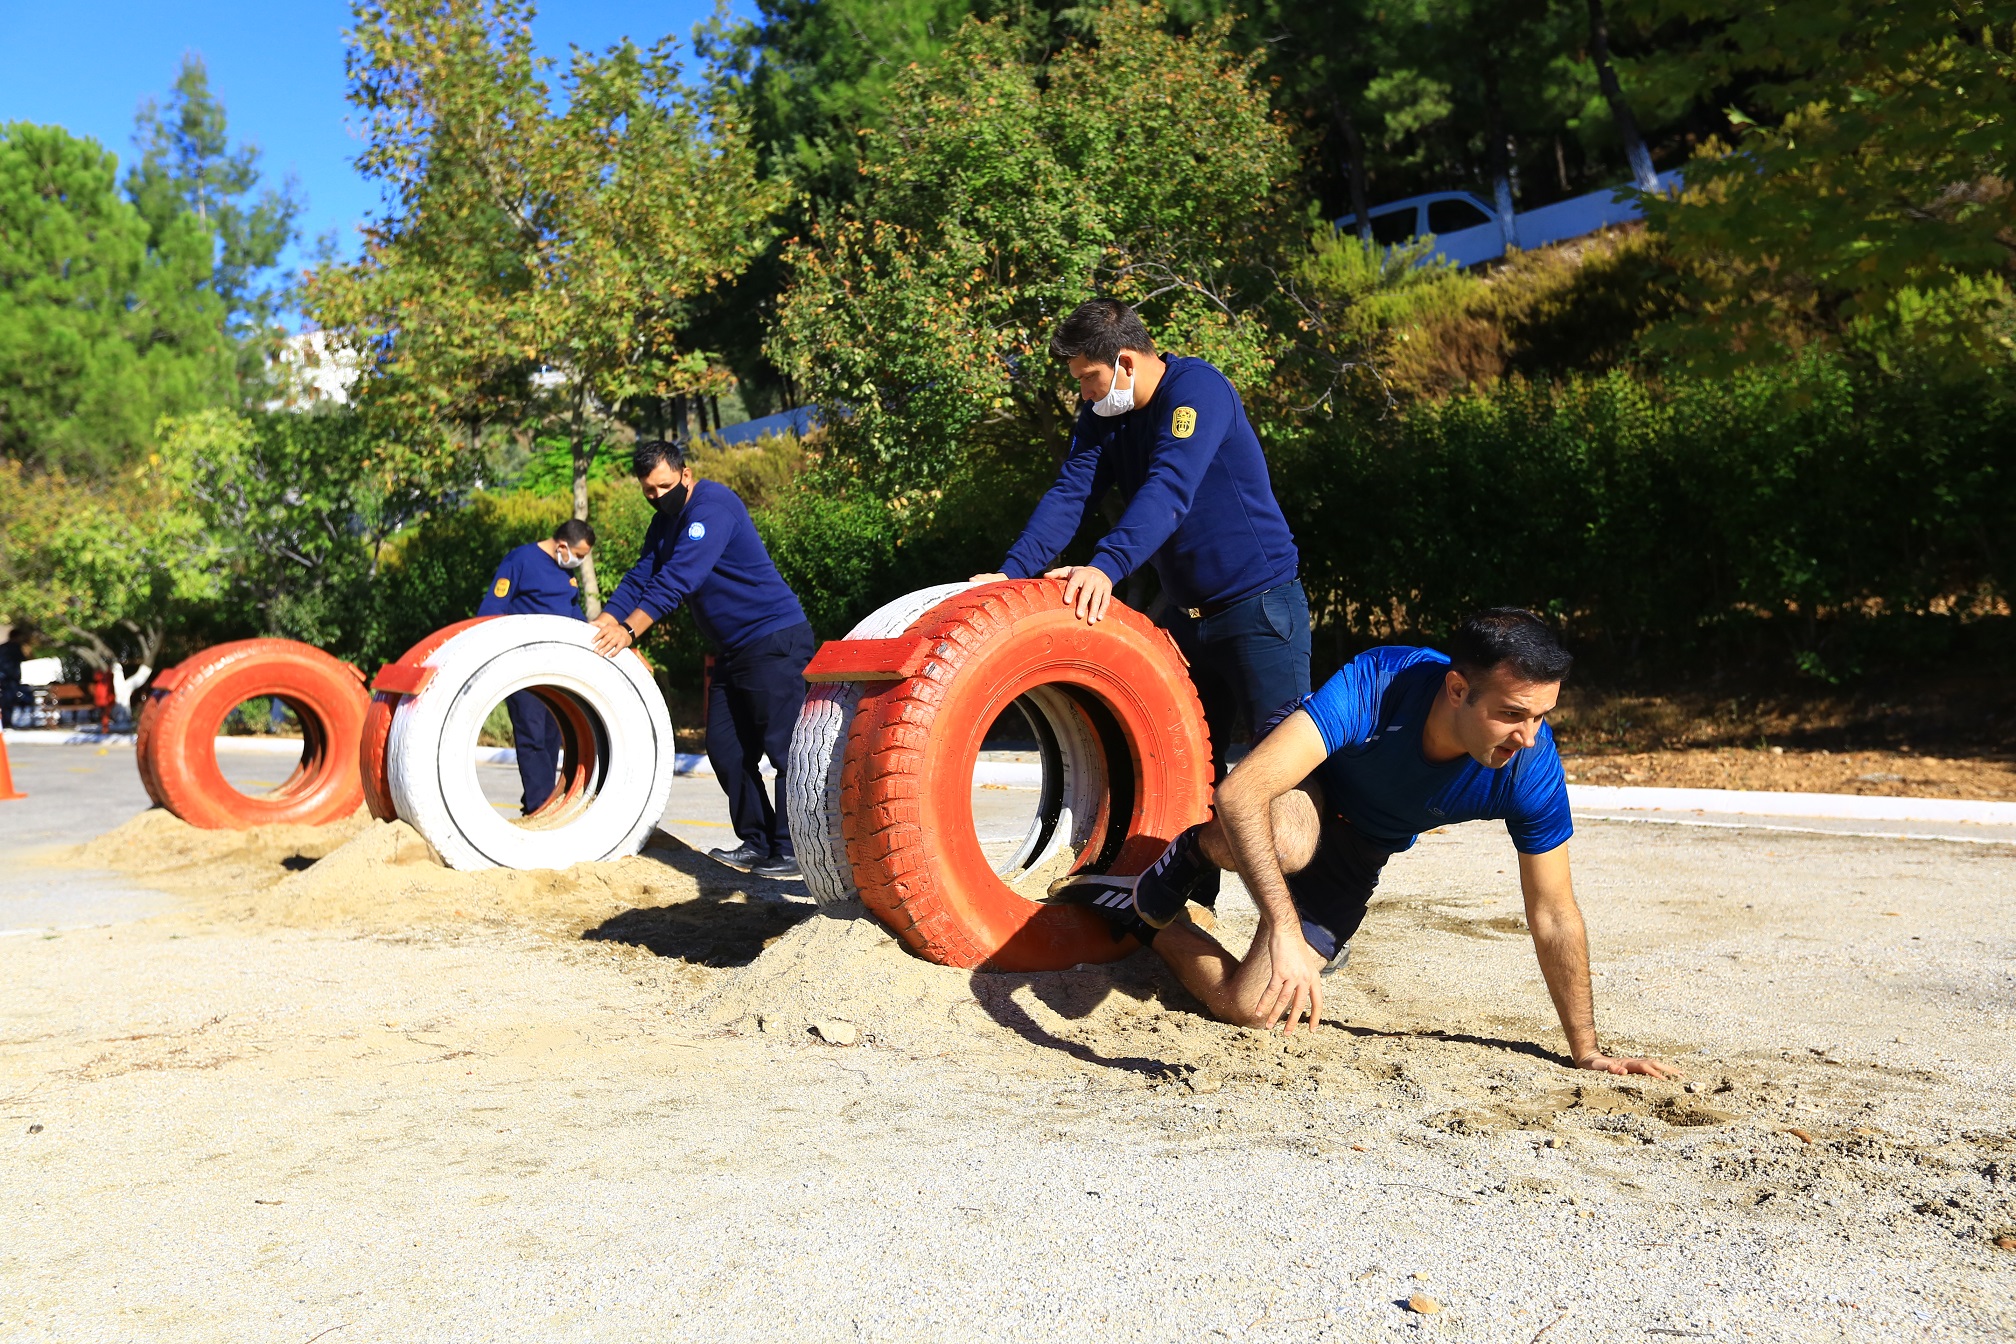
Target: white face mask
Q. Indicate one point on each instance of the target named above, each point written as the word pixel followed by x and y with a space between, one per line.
pixel 1118 400
pixel 567 559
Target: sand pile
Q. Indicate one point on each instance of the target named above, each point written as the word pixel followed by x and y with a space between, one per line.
pixel 172 854
pixel 842 966
pixel 387 878
pixel 381 877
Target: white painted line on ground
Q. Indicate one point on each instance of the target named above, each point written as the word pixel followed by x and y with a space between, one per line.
pixel 51 932
pixel 1582 797
pixel 1804 830
pixel 64 737
pixel 1758 803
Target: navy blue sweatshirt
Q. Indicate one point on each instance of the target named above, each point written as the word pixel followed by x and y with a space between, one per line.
pixel 531 583
pixel 710 561
pixel 1199 504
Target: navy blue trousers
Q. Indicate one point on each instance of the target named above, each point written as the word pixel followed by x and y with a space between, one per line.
pixel 752 708
pixel 1247 662
pixel 536 733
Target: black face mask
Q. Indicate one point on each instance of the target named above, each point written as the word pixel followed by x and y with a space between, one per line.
pixel 671 502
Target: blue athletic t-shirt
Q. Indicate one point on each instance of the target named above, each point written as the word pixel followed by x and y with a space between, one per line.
pixel 1371 715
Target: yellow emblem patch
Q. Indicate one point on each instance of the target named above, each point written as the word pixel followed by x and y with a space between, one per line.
pixel 1185 423
pixel 503 587
pixel 573 583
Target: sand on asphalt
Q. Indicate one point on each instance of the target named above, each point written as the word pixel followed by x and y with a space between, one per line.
pixel 338 1088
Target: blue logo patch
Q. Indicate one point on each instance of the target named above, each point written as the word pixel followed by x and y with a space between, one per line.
pixel 697 531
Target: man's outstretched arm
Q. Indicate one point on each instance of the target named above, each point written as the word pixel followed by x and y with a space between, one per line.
pixel 1562 944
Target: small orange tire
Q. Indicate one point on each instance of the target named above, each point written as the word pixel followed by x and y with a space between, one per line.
pixel 378 724
pixel 905 787
pixel 176 745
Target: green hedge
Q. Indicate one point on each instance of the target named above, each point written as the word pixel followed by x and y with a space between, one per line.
pixel 1806 515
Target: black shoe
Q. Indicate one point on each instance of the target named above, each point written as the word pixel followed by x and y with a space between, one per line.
pixel 1111 897
pixel 782 868
pixel 1180 876
pixel 743 858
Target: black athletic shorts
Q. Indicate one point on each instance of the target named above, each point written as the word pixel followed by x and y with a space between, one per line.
pixel 1331 894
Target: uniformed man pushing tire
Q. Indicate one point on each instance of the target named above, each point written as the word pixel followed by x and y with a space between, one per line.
pixel 1170 433
pixel 702 552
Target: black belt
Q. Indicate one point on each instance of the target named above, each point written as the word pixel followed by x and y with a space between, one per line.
pixel 1220 608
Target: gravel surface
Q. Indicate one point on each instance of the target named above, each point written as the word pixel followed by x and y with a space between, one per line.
pixel 263 1111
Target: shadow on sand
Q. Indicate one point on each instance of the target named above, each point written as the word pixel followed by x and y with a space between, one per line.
pixel 734 917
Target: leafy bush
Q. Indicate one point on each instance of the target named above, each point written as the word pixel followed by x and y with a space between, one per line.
pixel 1813 514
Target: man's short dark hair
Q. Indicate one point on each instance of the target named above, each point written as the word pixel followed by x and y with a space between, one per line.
pixel 648 453
pixel 1099 331
pixel 1512 638
pixel 574 532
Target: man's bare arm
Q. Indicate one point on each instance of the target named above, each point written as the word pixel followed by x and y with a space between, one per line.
pixel 1281 761
pixel 1561 943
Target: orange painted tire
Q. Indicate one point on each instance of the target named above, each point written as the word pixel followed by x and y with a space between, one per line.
pixel 176 744
pixel 378 724
pixel 905 786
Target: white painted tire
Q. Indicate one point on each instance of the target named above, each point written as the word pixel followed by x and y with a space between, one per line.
pixel 819 745
pixel 431 753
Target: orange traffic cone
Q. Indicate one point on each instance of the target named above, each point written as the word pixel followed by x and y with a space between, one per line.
pixel 6 775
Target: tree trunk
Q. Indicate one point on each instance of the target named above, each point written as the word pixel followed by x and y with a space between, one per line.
pixel 1498 147
pixel 1354 165
pixel 1643 175
pixel 591 591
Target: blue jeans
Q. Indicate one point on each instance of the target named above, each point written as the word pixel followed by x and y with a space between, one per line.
pixel 752 706
pixel 1247 662
pixel 536 735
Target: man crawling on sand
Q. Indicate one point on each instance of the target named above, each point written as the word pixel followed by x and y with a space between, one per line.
pixel 1402 740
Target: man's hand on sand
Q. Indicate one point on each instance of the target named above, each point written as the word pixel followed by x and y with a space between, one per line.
pixel 1087 589
pixel 611 636
pixel 1295 989
pixel 1603 1063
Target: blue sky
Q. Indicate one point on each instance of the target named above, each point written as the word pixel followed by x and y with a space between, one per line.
pixel 278 70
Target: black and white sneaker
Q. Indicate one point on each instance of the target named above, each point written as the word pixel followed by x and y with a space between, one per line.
pixel 1112 897
pixel 742 858
pixel 1180 876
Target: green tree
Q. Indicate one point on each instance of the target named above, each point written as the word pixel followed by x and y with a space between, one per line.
pixel 100 334
pixel 1001 194
pixel 296 510
pixel 107 569
pixel 536 263
pixel 1866 194
pixel 814 74
pixel 188 165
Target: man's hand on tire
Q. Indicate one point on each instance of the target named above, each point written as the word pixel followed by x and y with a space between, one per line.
pixel 611 636
pixel 1086 589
